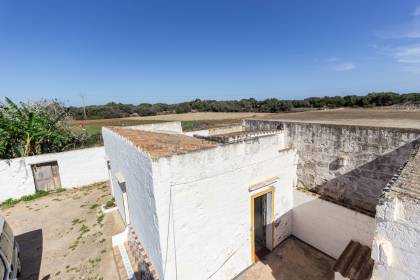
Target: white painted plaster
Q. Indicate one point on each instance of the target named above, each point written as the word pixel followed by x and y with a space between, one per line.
pixel 327 226
pixel 205 222
pixel 136 168
pixel 396 245
pixel 160 127
pixel 77 168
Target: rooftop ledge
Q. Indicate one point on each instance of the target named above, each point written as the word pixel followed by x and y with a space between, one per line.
pixel 239 136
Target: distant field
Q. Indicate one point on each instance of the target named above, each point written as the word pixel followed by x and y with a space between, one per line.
pixel 173 117
pixel 205 120
pixel 361 117
pixel 190 121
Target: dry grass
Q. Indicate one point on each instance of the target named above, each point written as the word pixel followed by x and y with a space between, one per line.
pixel 200 116
pixel 360 117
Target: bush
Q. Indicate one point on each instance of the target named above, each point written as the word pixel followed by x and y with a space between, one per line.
pixel 110 203
pixel 37 128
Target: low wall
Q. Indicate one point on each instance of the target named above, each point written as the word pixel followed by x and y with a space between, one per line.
pixel 77 168
pixel 327 226
pixel 175 127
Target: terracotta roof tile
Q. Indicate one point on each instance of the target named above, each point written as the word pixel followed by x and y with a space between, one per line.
pixel 158 144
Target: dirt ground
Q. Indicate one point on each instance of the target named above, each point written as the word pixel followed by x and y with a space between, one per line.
pixel 364 117
pixel 199 116
pixel 292 260
pixel 65 235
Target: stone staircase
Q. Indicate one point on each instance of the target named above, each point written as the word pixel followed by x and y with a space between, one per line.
pixel 355 263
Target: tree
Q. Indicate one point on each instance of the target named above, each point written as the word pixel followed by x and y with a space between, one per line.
pixel 27 130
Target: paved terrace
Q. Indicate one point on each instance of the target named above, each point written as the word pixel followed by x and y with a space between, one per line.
pixel 292 259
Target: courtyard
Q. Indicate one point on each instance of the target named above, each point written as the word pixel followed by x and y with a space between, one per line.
pixel 65 235
pixel 292 260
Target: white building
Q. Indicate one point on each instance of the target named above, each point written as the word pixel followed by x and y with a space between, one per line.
pixel 207 207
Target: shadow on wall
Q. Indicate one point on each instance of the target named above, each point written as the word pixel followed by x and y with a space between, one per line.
pixel 362 187
pixel 30 244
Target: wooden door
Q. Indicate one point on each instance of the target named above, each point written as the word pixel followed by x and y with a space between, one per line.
pixel 46 176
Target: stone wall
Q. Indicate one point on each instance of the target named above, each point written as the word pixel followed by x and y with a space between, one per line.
pixel 347 164
pixel 396 244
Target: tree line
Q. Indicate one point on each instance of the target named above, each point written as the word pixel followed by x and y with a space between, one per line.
pixel 271 105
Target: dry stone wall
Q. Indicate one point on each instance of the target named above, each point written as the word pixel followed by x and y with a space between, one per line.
pixel 347 164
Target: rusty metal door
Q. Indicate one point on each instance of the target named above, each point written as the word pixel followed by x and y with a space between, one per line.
pixel 46 176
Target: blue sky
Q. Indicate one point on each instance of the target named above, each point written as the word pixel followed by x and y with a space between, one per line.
pixel 171 51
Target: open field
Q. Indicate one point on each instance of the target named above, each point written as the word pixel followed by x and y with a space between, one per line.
pixel 360 117
pixel 204 120
pixel 65 236
pixel 190 121
pixel 200 116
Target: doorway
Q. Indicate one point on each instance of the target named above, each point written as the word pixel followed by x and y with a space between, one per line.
pixel 262 230
pixel 46 176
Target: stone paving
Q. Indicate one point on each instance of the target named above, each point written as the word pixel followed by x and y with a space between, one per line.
pixel 292 260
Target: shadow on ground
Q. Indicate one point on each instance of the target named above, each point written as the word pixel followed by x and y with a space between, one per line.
pixel 30 244
pixel 292 259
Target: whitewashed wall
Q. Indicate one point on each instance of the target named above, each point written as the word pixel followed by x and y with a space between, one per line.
pixel 327 226
pixel 207 194
pixel 136 167
pixel 77 168
pixel 397 240
pixel 175 127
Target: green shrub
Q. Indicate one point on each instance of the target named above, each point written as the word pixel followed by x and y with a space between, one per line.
pixel 34 196
pixel 110 203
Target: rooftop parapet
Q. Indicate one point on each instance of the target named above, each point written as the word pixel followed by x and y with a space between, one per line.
pixel 238 136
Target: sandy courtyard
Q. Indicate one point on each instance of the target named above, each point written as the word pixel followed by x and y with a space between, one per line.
pixel 65 235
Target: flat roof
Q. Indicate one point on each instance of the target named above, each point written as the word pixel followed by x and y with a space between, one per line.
pixel 158 144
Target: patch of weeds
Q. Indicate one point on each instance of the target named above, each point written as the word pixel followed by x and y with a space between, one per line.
pixel 103 251
pixel 77 221
pixel 57 273
pixel 60 189
pixel 94 206
pixel 84 229
pixel 36 195
pixel 74 245
pixel 102 240
pixel 83 205
pixel 100 219
pixel 94 262
pixel 9 202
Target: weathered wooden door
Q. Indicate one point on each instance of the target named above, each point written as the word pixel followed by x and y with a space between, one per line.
pixel 46 176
